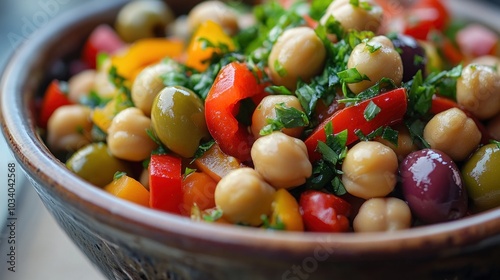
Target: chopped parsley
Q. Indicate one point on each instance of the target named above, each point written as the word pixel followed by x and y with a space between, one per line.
pixel 286 117
pixel 327 170
pixel 371 111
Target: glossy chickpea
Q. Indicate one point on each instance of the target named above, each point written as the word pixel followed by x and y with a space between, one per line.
pixel 244 196
pixel 370 170
pixel 478 90
pixel 81 85
pixel 443 130
pixel 127 135
pixel 382 214
pixel 298 54
pixel 353 17
pixel 377 59
pixel 267 110
pixel 281 160
pixel 68 128
pixel 215 11
pixel 143 19
pixel 149 83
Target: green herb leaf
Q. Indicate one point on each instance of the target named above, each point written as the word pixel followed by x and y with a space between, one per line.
pixel 213 216
pixel 202 149
pixel 371 111
pixel 351 76
pixel 118 175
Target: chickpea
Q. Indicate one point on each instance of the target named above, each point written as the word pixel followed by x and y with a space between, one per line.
pixel 266 110
pixel 143 19
pixel 281 160
pixel 244 196
pixel 478 90
pixel 127 135
pixel 215 11
pixel 488 60
pixel 81 85
pixel 149 83
pixel 370 170
pixel 298 54
pixel 443 130
pixel 382 214
pixel 377 59
pixel 68 128
pixel 354 18
pixel 405 143
pixel 493 127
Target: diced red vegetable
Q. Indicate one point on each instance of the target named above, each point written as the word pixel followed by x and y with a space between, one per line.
pixel 392 106
pixel 324 212
pixel 165 183
pixel 234 83
pixel 425 16
pixel 102 40
pixel 54 98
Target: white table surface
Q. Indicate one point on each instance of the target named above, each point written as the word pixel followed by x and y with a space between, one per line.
pixel 43 250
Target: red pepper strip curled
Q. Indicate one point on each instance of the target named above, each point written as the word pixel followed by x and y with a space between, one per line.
pixel 234 83
pixel 392 106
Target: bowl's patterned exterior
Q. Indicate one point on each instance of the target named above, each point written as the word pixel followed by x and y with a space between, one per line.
pixel 127 241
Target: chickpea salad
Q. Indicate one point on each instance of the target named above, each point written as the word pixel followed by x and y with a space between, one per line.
pixel 320 115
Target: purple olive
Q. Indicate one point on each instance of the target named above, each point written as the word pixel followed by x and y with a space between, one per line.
pixel 412 55
pixel 432 186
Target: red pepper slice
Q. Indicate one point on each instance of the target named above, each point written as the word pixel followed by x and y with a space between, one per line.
pixel 392 106
pixel 440 104
pixel 54 98
pixel 324 212
pixel 234 83
pixel 102 39
pixel 165 183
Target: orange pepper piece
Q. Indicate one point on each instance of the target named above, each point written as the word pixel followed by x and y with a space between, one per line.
pixel 145 52
pixel 198 53
pixel 216 163
pixel 128 188
pixel 286 211
pixel 198 189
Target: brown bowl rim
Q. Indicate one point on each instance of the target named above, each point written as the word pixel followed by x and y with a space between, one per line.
pixel 40 165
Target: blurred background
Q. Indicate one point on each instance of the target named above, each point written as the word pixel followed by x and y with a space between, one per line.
pixel 43 251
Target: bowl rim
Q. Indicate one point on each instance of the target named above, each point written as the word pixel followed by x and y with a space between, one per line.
pixel 36 160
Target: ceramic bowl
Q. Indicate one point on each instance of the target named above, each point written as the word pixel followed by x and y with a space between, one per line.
pixel 126 241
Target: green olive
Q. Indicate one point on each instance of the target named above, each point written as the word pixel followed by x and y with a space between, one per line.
pixel 143 19
pixel 178 119
pixel 95 164
pixel 480 174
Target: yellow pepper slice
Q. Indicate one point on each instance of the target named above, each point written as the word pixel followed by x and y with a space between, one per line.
pixel 143 53
pixel 103 116
pixel 198 53
pixel 286 211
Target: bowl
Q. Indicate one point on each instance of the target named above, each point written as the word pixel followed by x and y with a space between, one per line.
pixel 126 241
